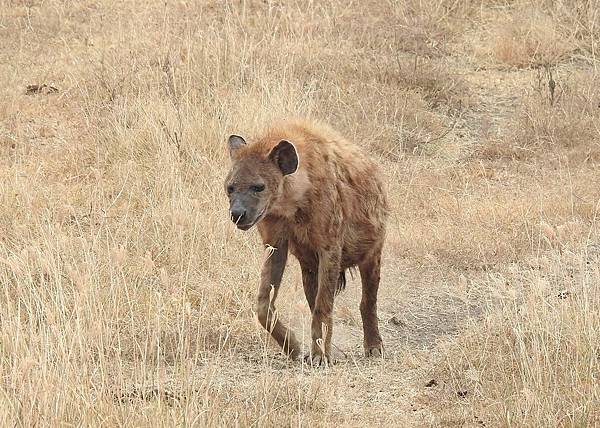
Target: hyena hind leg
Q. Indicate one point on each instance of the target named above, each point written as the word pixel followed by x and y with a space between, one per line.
pixel 370 276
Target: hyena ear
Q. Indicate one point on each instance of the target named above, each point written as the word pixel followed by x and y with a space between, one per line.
pixel 235 142
pixel 285 157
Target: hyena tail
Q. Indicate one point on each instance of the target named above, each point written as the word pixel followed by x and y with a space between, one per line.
pixel 341 285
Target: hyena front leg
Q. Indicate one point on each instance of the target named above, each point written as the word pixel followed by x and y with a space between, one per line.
pixel 309 264
pixel 322 316
pixel 270 280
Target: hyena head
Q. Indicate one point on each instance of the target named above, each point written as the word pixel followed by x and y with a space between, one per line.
pixel 255 180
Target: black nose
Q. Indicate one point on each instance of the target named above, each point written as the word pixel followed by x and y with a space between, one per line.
pixel 237 215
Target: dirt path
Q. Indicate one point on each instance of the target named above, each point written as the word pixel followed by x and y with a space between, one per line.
pixel 419 307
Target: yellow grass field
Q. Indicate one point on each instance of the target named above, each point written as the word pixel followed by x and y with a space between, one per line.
pixel 127 295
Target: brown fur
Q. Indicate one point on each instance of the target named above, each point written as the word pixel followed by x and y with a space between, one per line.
pixel 330 214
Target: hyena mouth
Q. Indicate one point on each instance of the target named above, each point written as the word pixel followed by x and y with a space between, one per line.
pixel 246 226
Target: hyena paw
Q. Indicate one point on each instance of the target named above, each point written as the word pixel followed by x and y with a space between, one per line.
pixel 318 359
pixel 374 350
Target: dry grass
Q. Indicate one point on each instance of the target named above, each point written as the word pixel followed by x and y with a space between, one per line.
pixel 530 37
pixel 558 116
pixel 542 339
pixel 542 33
pixel 128 295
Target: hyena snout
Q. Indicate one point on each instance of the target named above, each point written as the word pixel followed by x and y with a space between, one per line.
pixel 244 215
pixel 238 212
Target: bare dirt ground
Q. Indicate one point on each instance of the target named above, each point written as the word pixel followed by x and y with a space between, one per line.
pixel 128 295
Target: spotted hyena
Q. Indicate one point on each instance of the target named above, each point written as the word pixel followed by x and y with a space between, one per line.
pixel 312 193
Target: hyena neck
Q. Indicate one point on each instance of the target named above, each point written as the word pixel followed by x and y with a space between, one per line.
pixel 294 195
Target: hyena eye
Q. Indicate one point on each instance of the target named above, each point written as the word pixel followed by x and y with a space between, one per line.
pixel 229 189
pixel 257 188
